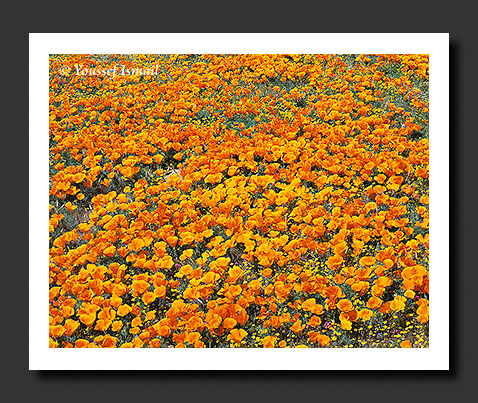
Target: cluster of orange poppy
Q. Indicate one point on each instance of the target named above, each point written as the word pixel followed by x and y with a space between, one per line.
pixel 239 201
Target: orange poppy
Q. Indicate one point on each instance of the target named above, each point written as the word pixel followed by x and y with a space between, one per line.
pixel 229 323
pixel 57 331
pixel 149 297
pixel 136 244
pixel 309 304
pixel 365 314
pixel 160 291
pixel 367 261
pixel 70 206
pixel 374 302
pixel 88 318
pixel 124 310
pixel 346 324
pixel 397 304
pixel 81 343
pixel 334 262
pixel 297 327
pixel 323 340
pixel 345 305
pixel 116 325
pixel 269 341
pixel 237 335
pixel 70 326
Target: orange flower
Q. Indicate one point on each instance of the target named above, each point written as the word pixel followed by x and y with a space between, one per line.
pixel 213 320
pixel 422 310
pixel 135 330
pixel 385 308
pixel 235 272
pixel 57 331
pixel 269 341
pixel 423 318
pixel 109 251
pixel 374 303
pixel 297 327
pixel 109 342
pixel 233 291
pixel 346 324
pixel 186 254
pixel 339 279
pixel 345 305
pixel 164 331
pixel 229 323
pixel 380 178
pixel 369 166
pixel 160 291
pixel 102 325
pixel 81 343
pixel 149 297
pixel 267 272
pixel 334 262
pixel 323 340
pixel 394 183
pixel 70 326
pixel 409 294
pixel 124 310
pixel 314 321
pixel 193 337
pixel 172 240
pixel 187 238
pixel 140 286
pixel 309 304
pixel 70 206
pixel 405 344
pixel 136 244
pixel 365 314
pixel 388 263
pixel 194 323
pixel 116 325
pixel 223 261
pixel 367 261
pixel 383 282
pixel 237 335
pixel 360 287
pixel 377 291
pixel 88 318
pixel 191 293
pixel 398 304
pixel 166 262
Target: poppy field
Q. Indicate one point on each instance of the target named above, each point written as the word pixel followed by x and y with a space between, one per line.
pixel 249 201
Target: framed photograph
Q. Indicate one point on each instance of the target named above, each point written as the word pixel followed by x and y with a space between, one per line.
pixel 239 201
